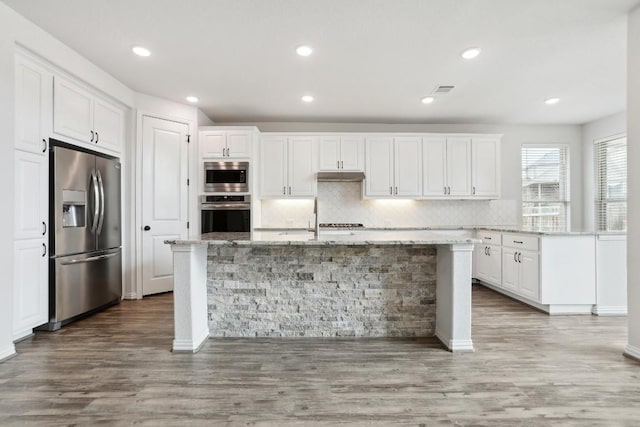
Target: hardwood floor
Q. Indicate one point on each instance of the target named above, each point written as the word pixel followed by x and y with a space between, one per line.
pixel 529 369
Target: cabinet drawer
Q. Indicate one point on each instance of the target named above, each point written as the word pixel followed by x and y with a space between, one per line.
pixel 520 241
pixel 490 237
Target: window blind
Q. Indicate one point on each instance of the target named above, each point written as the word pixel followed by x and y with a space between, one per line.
pixel 545 187
pixel 611 186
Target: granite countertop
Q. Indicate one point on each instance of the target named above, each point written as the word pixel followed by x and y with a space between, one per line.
pixel 334 237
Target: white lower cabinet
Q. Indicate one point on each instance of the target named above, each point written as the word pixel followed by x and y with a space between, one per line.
pixel 31 297
pixel 550 272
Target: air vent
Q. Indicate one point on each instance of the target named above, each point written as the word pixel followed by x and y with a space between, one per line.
pixel 443 89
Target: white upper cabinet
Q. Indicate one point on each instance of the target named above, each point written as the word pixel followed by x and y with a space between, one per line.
pixel 226 143
pixel 341 153
pixel 287 166
pixel 80 114
pixel 485 167
pixel 458 167
pixel 33 106
pixel 407 166
pixel 393 167
pixel 379 167
pixel 302 168
pixel 447 167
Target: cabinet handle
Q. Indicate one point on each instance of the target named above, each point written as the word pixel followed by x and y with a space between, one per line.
pixel 91 136
pixel 391 190
pixel 449 190
pixel 338 164
pixel 289 190
pixel 518 241
pixel 485 250
pixel 520 257
pixel 284 190
pixel 489 250
pixel 341 164
pixel 227 151
pixel 44 228
pixel 515 257
pixel 487 238
pixel 97 137
pixel 44 250
pixel 396 191
pixel 445 191
pixel 44 145
pixel 474 190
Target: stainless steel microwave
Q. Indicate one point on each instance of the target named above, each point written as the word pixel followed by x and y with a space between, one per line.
pixel 226 177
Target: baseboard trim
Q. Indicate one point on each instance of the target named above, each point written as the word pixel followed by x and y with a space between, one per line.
pixel 190 346
pixel 457 346
pixel 632 352
pixel 130 295
pixel 7 353
pixel 22 335
pixel 599 310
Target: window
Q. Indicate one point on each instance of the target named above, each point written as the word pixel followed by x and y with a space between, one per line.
pixel 545 187
pixel 611 184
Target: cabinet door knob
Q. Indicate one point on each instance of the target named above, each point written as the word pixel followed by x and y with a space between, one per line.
pixel 44 145
pixel 44 249
pixel 147 228
pixel 92 136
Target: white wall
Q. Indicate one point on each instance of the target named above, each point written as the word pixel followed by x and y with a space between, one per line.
pixel 633 156
pixel 514 137
pixel 605 127
pixel 6 177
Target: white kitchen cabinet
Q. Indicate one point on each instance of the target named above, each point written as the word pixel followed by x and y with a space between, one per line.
pixel 393 167
pixel 80 114
pixel 341 153
pixel 485 167
pixel 488 257
pixel 33 106
pixel 226 143
pixel 287 166
pixel 31 196
pixel 520 272
pixel 447 165
pixel 30 297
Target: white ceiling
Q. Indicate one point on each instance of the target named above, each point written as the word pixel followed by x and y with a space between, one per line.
pixel 373 59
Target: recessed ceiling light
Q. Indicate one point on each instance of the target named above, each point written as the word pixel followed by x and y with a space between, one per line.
pixel 304 50
pixel 141 51
pixel 427 99
pixel 307 98
pixel 551 101
pixel 470 53
pixel 192 99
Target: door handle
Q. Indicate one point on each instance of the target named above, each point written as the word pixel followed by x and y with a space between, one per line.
pixel 44 250
pixel 44 145
pixel 44 228
pixel 146 228
pixel 101 218
pixel 96 191
pixel 83 260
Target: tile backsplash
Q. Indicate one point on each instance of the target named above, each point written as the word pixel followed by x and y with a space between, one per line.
pixel 343 202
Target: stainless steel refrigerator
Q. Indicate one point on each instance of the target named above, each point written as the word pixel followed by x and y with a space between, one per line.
pixel 85 268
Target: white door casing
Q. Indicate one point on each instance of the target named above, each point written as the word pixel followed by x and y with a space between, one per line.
pixel 165 197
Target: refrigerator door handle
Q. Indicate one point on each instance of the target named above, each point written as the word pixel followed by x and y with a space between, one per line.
pixel 96 201
pixel 90 259
pixel 101 219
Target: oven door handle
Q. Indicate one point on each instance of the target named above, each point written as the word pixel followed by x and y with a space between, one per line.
pixel 227 207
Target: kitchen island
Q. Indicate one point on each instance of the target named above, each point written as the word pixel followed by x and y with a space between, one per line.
pixel 410 283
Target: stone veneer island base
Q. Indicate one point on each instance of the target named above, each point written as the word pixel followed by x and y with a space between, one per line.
pixel 356 287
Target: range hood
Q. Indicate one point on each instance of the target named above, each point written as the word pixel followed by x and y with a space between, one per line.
pixel 337 176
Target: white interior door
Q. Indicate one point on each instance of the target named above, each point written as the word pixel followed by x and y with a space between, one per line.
pixel 164 199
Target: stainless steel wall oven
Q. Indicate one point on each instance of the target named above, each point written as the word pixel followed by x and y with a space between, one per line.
pixel 225 214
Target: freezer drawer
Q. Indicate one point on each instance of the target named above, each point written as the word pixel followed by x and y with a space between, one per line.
pixel 83 283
